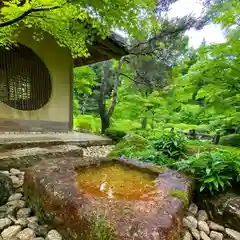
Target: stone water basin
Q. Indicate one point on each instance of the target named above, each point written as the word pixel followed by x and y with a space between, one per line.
pixel 98 199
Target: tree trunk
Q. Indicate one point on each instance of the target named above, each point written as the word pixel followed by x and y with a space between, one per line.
pixel 144 123
pixel 105 121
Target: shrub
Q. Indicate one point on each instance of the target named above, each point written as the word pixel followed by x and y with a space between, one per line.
pixel 115 134
pixel 87 123
pixel 214 171
pixel 171 144
pixel 231 140
pixel 130 146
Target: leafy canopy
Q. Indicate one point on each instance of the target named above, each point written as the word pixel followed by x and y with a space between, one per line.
pixel 75 24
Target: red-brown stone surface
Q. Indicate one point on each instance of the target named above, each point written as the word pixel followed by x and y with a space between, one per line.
pixel 51 189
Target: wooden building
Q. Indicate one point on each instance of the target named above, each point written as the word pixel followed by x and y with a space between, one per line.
pixel 36 83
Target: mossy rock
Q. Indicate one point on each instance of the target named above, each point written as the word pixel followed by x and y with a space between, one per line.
pixel 6 188
pixel 231 140
pixel 114 134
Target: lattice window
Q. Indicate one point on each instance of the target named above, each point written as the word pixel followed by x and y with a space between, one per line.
pixel 24 79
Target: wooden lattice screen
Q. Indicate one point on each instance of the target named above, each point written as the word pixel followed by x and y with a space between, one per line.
pixel 25 82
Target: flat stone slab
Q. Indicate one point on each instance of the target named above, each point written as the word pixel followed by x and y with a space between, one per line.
pixel 52 191
pixel 21 140
pixel 22 158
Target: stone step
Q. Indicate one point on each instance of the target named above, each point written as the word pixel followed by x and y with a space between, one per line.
pixel 17 141
pixel 23 158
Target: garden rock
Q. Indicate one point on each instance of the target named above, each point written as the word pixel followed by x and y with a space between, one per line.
pixel 10 232
pixel 195 233
pixel 58 174
pixel 232 234
pixel 202 226
pixel 215 226
pixel 4 223
pixel 15 171
pixel 24 213
pixel 15 196
pixel 6 188
pixel 53 235
pixel 204 236
pixel 187 236
pixel 26 234
pixel 190 222
pixel 216 235
pixel 23 222
pixel 193 208
pixel 202 215
pixel 17 203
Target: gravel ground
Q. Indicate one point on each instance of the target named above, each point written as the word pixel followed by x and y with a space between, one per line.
pixel 98 151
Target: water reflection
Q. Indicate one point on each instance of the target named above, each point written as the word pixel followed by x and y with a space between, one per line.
pixel 117 181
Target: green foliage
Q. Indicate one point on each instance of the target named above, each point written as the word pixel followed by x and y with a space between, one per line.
pixel 231 140
pixel 84 79
pixel 171 144
pixel 115 134
pixel 76 24
pixel 130 146
pixel 182 126
pixel 87 123
pixel 214 171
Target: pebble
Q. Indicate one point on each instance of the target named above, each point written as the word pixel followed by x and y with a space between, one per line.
pixel 190 222
pixel 4 223
pixel 26 234
pixel 216 235
pixel 203 226
pixel 202 215
pixel 204 236
pixel 17 203
pixel 15 171
pixel 232 233
pixel 193 208
pixel 195 233
pixel 32 219
pixel 187 236
pixel 16 196
pixel 216 227
pixel 53 235
pixel 15 180
pixel 23 222
pixel 24 213
pixel 10 232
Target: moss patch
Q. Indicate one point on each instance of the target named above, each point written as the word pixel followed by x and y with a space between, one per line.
pixel 129 145
pixel 101 229
pixel 180 195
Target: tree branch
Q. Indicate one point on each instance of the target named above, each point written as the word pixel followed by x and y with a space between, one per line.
pixel 27 13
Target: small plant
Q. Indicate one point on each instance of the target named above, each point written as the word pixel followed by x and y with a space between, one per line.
pixel 170 144
pixel 214 171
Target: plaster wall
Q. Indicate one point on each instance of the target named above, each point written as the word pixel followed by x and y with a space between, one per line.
pixel 60 65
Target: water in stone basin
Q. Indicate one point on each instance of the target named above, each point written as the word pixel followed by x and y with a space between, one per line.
pixel 117 181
